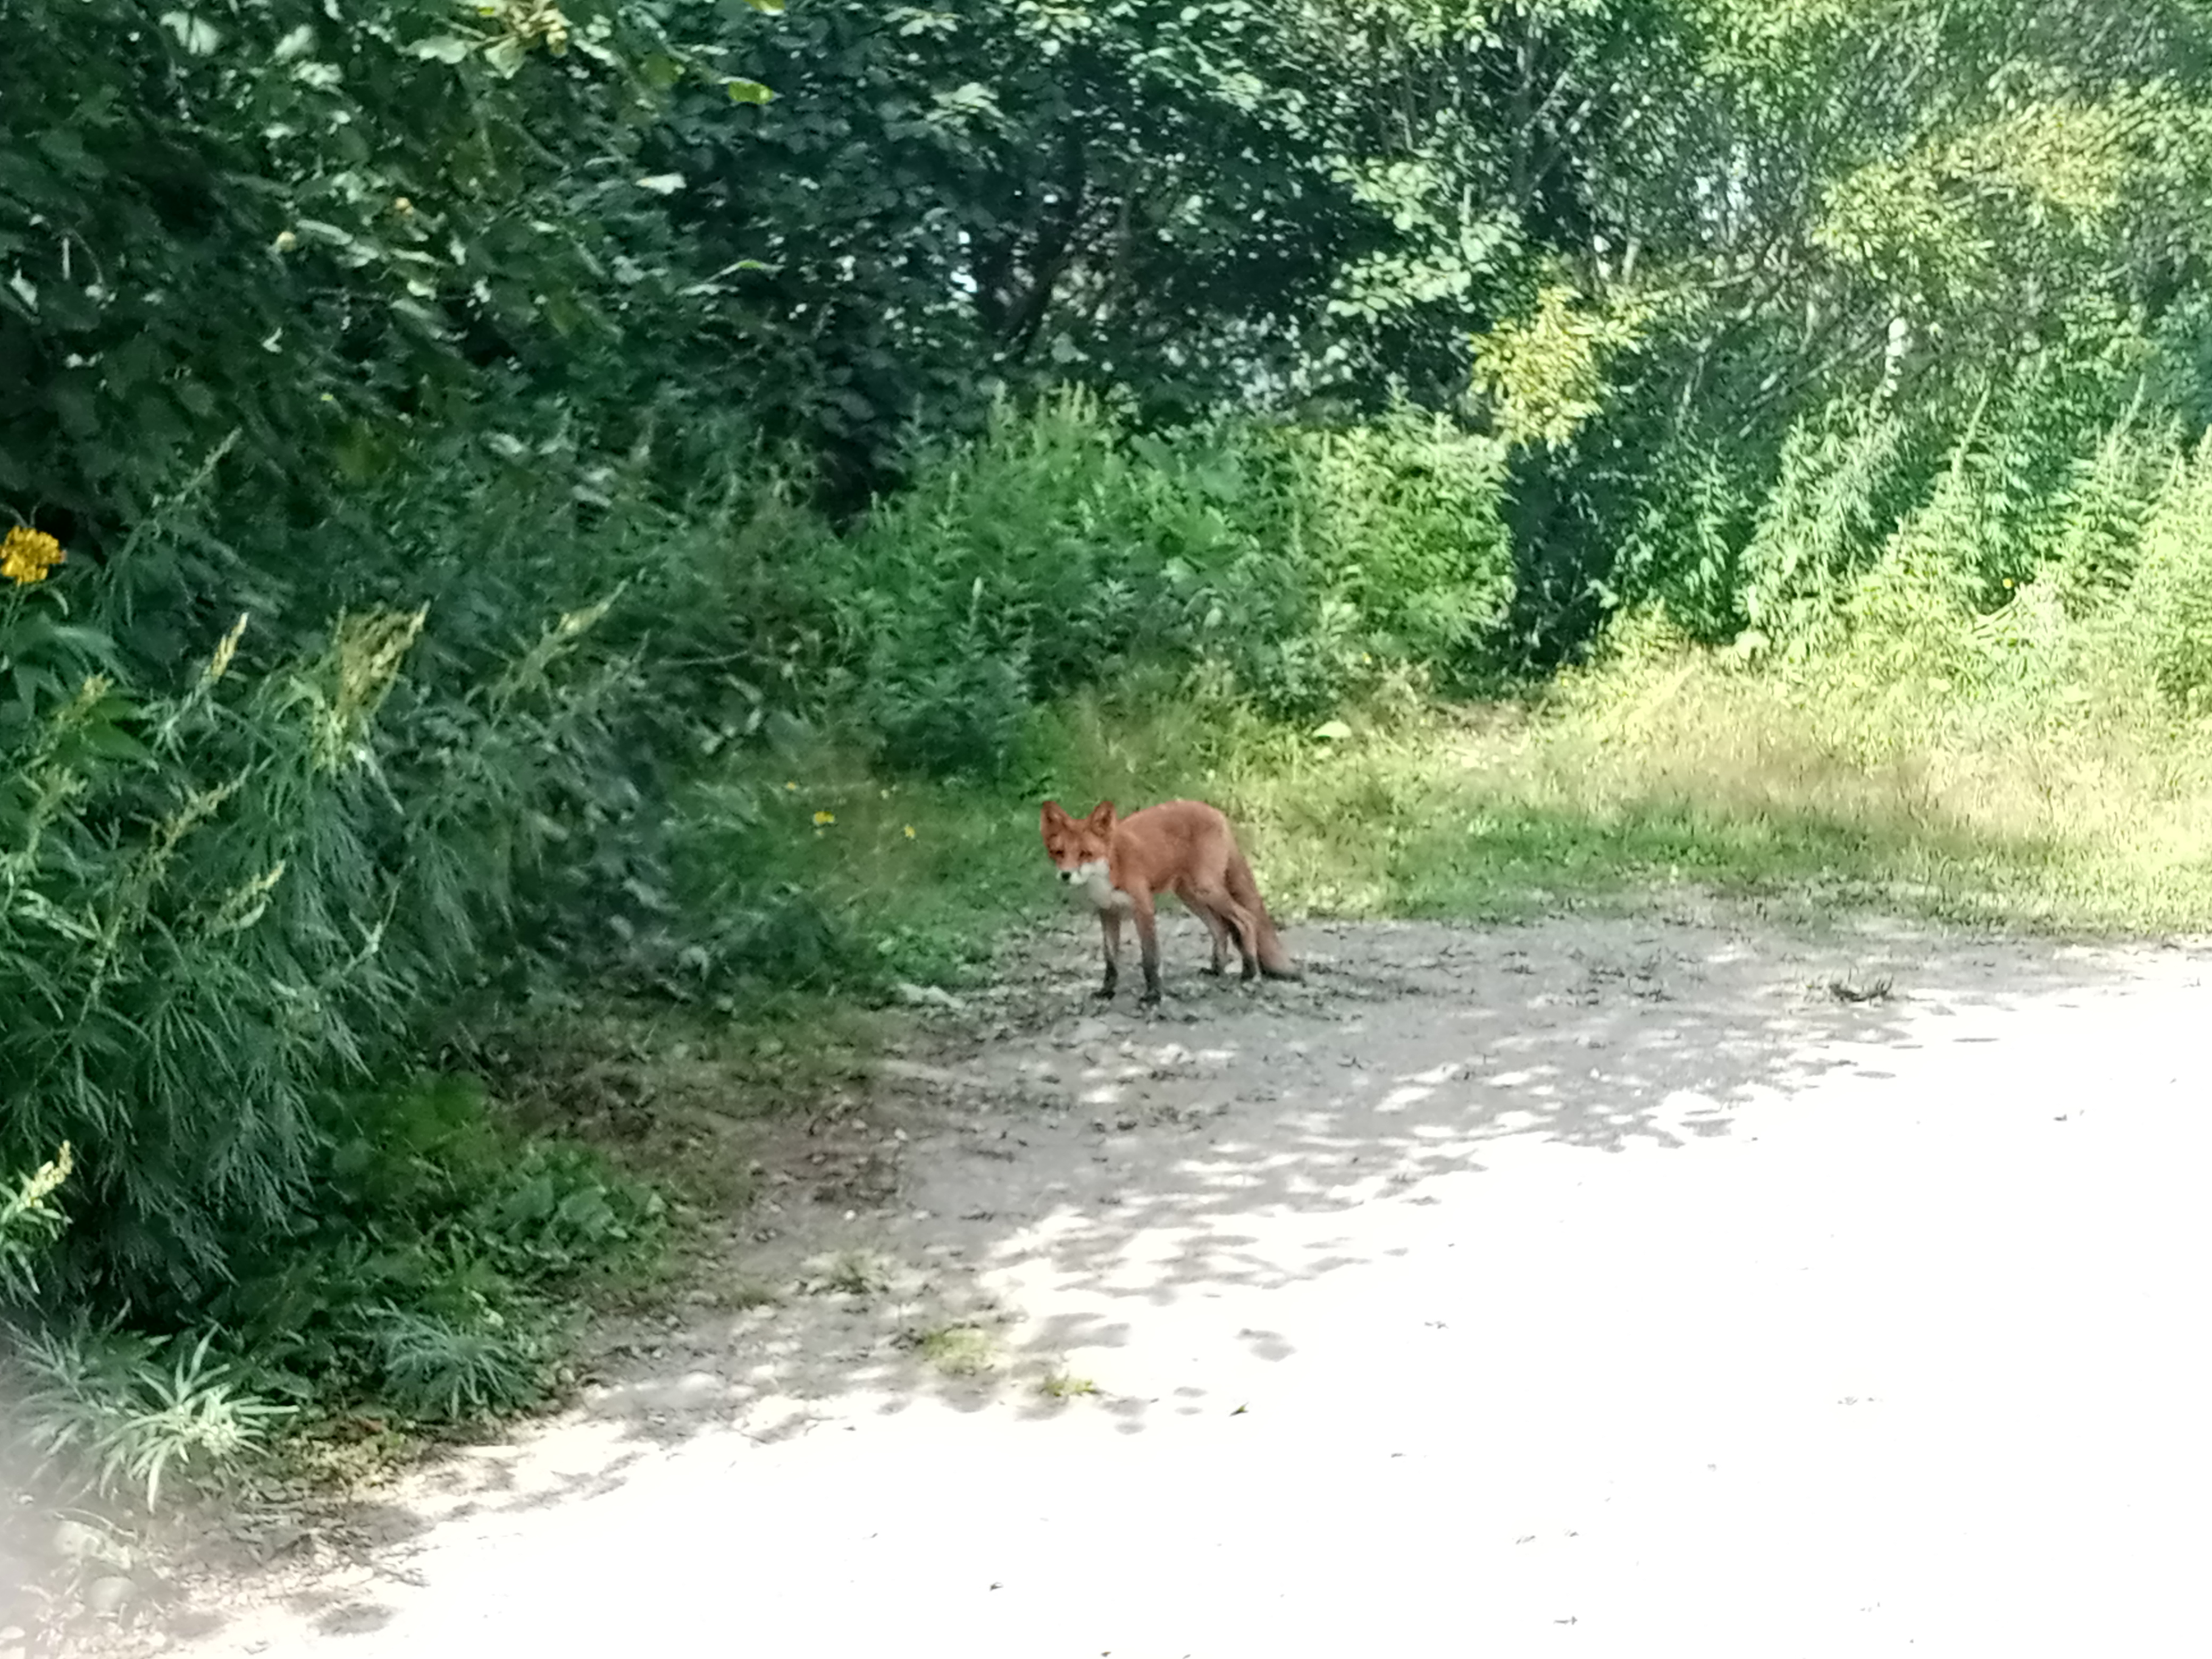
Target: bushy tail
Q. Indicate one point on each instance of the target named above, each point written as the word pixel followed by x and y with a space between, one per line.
pixel 1275 961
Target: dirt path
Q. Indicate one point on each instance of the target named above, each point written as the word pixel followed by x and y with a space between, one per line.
pixel 1599 1286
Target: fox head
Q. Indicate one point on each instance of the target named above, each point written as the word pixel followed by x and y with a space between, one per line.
pixel 1078 846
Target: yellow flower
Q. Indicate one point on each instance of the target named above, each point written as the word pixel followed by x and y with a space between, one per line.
pixel 26 554
pixel 910 832
pixel 821 818
pixel 225 650
pixel 791 786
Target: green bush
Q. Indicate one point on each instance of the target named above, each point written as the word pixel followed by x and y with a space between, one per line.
pixel 431 1272
pixel 1398 520
pixel 220 902
pixel 1063 550
pixel 128 1412
pixel 252 221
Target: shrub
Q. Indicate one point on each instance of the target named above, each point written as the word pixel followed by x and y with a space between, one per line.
pixel 428 1275
pixel 127 1412
pixel 219 902
pixel 1063 550
pixel 2168 606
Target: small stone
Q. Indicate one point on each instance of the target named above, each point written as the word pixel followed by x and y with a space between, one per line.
pixel 74 1541
pixel 107 1595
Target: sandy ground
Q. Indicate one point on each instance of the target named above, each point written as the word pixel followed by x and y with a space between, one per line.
pixel 1599 1286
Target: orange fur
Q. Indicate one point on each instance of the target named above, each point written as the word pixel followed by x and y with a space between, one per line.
pixel 1182 847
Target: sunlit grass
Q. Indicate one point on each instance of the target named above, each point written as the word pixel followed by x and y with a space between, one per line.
pixel 1681 768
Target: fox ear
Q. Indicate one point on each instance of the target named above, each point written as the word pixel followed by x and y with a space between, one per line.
pixel 1102 816
pixel 1053 816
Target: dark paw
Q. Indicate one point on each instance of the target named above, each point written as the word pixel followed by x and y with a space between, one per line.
pixel 1103 993
pixel 1150 999
pixel 1212 971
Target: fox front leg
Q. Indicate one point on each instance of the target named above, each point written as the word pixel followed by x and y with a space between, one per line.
pixel 1148 942
pixel 1110 925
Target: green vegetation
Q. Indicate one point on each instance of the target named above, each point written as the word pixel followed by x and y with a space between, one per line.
pixel 624 506
pixel 957 1350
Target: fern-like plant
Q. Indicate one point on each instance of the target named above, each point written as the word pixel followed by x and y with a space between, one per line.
pixel 129 1412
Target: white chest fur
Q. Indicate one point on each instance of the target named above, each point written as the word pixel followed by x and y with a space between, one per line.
pixel 1097 891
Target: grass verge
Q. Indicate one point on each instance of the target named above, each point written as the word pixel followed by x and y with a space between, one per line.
pixel 1654 770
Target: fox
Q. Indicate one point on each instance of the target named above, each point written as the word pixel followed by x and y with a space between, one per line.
pixel 1121 865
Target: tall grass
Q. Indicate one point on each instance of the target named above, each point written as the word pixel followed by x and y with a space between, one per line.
pixel 1063 551
pixel 232 901
pixel 216 905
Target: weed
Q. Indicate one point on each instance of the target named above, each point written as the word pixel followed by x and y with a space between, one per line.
pixel 30 1220
pixel 850 1273
pixel 1844 989
pixel 956 1350
pixel 430 1281
pixel 448 1370
pixel 133 1412
pixel 745 1294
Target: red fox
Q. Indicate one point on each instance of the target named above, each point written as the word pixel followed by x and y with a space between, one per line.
pixel 1181 847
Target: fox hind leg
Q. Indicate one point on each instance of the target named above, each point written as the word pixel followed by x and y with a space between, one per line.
pixel 1228 918
pixel 1217 930
pixel 1266 943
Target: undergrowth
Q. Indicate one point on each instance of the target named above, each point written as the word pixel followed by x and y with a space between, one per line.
pixel 1673 765
pixel 1961 702
pixel 443 628
pixel 773 773
pixel 435 1288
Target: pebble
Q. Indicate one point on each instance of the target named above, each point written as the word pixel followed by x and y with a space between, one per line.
pixel 106 1595
pixel 74 1541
